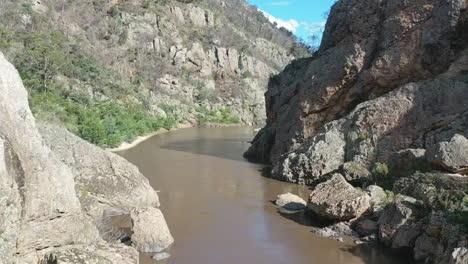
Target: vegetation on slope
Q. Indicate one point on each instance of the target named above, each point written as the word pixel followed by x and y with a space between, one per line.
pixel 83 69
pixel 48 61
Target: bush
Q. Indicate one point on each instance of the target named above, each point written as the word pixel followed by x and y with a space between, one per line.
pixel 105 124
pixel 381 176
pixel 220 116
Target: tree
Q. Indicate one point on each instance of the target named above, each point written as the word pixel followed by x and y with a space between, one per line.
pixel 43 59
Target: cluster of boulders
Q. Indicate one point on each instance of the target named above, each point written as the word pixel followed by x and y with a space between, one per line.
pixel 423 211
pixel 59 194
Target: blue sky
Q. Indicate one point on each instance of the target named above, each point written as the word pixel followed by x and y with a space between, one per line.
pixel 302 17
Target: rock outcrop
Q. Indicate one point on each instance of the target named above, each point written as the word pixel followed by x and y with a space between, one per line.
pixel 391 46
pixel 41 214
pixel 383 102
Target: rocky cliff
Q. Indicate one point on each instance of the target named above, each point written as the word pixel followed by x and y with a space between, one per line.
pixel 50 207
pixel 382 102
pixel 194 61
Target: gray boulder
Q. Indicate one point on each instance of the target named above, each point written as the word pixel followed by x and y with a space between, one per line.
pixel 290 202
pixel 338 200
pixel 451 155
pixel 105 182
pixel 150 230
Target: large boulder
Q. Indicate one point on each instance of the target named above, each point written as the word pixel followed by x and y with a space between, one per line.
pixel 451 155
pixel 106 183
pixel 150 230
pixel 338 200
pixel 40 210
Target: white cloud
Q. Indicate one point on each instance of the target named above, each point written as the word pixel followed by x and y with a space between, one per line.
pixel 290 25
pixel 313 28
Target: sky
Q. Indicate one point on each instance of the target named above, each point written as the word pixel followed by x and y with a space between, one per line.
pixel 302 17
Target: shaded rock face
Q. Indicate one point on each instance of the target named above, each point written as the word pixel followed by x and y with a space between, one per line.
pixel 369 48
pixel 336 199
pixel 378 128
pixel 43 213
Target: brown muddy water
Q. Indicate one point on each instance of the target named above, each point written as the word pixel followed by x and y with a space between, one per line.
pixel 219 210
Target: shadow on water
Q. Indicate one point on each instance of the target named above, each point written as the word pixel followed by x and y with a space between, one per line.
pixel 221 148
pixel 372 253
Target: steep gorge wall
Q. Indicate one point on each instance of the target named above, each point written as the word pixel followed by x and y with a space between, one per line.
pixel 369 48
pixel 49 203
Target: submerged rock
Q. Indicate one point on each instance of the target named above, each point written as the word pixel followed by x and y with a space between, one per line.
pixel 150 230
pixel 161 256
pixel 291 202
pixel 338 200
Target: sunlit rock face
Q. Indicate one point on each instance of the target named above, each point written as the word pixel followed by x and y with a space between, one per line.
pixel 55 192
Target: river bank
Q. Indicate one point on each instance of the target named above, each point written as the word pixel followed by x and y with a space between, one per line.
pixel 140 139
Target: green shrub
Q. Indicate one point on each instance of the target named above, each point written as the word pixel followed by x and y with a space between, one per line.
pixel 212 116
pixel 381 176
pixel 381 169
pixel 105 124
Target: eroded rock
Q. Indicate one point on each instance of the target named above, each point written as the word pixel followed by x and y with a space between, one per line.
pixel 338 200
pixel 150 230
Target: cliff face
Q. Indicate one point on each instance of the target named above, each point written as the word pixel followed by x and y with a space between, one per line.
pixel 49 204
pixel 369 48
pixel 383 102
pixel 174 58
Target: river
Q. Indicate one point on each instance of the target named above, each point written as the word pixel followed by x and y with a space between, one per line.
pixel 219 207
